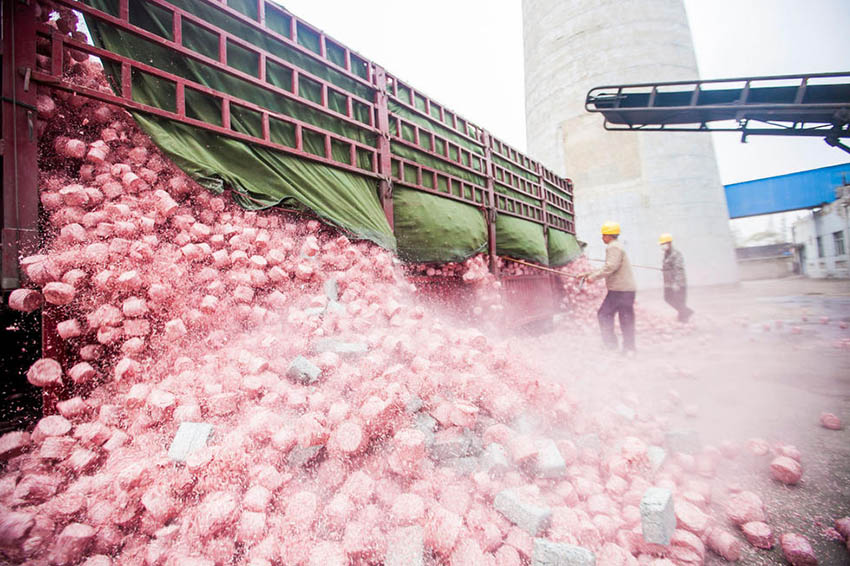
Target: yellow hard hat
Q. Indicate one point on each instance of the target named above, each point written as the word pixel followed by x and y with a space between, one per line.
pixel 665 238
pixel 610 228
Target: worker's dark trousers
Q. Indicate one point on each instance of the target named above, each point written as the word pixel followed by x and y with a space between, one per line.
pixel 621 303
pixel 678 300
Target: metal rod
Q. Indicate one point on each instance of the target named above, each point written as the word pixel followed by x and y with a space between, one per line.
pixel 541 268
pixel 633 265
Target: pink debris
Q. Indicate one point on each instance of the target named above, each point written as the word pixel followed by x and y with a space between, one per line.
pixel 843 527
pixel 786 470
pixel 797 550
pixel 758 534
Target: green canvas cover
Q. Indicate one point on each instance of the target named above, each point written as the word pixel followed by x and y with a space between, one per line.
pixel 563 248
pixel 428 228
pixel 520 239
pixel 435 229
pixel 264 177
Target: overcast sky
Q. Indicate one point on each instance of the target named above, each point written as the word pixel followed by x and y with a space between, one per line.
pixel 467 54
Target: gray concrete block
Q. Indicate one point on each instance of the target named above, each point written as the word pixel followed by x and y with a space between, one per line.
pixel 550 463
pixel 625 411
pixel 496 458
pixel 657 457
pixel 340 347
pixel 445 447
pixel 331 289
pixel 189 438
pixel 548 553
pixel 658 519
pixel 424 422
pixel 299 457
pixel 414 405
pixel 405 547
pixel 527 516
pixel 303 371
pixel 684 440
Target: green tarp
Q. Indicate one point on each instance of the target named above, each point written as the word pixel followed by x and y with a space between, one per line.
pixel 435 229
pixel 563 247
pixel 264 176
pixel 428 228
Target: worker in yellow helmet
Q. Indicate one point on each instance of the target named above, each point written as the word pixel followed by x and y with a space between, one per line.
pixel 675 282
pixel 620 299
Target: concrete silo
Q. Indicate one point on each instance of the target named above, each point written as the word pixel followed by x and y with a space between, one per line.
pixel 649 182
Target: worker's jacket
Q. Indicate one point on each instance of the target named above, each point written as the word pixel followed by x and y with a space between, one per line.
pixel 673 268
pixel 617 270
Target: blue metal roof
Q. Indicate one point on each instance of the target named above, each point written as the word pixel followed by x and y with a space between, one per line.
pixel 795 191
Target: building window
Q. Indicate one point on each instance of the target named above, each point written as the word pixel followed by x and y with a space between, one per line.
pixel 819 240
pixel 838 239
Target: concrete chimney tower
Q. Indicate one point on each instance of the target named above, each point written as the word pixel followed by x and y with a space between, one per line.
pixel 649 182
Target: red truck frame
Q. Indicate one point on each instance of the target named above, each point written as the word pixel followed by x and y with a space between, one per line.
pixel 548 199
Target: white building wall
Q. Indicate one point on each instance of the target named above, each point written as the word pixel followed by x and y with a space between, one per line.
pixel 652 182
pixel 824 223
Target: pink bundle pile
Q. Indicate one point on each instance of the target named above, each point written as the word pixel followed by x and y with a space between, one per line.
pixel 349 425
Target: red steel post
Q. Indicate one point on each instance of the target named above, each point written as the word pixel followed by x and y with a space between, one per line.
pixel 385 187
pixel 490 208
pixel 20 190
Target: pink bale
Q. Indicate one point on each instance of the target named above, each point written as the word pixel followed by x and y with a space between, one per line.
pixel 251 527
pixel 347 438
pixel 82 372
pixel 74 149
pixel 690 517
pixel 830 421
pixel 13 443
pixel 53 425
pixel 408 509
pixel 25 300
pixel 72 543
pixel 507 556
pixel 797 550
pixel 161 506
pixel 74 195
pixel 745 507
pixel 127 368
pixel 786 470
pixel 73 407
pixel 14 526
pixel 758 534
pixel 442 529
pixel 82 460
pixel 58 293
pixel 257 498
pixel 45 372
pixel 116 441
pixel 724 544
pixel 56 448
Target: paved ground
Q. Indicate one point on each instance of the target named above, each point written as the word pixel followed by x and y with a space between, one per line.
pixel 747 382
